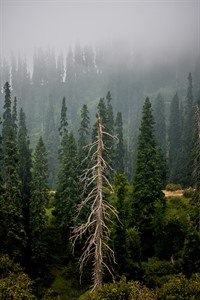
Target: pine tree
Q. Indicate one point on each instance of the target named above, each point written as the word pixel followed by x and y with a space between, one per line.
pixel 51 139
pixel 14 116
pixel 84 129
pixel 63 131
pixel 109 142
pixel 196 163
pixel 67 194
pixel 39 200
pixel 7 117
pixel 84 137
pixel 160 123
pixel 119 150
pixel 119 230
pixel 13 236
pixel 1 162
pixel 147 194
pixel 25 165
pixel 174 137
pixel 186 142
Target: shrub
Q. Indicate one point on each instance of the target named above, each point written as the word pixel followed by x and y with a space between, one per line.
pixel 173 187
pixel 188 193
pixel 180 288
pixel 121 290
pixel 156 271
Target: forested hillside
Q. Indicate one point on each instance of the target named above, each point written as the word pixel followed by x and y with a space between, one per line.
pixel 88 143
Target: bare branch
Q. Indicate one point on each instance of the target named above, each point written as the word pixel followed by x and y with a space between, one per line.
pixel 100 211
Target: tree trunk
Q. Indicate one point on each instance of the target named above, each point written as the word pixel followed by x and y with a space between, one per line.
pixel 98 262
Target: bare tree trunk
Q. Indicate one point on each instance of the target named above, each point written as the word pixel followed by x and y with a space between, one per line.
pixel 98 266
pixel 96 245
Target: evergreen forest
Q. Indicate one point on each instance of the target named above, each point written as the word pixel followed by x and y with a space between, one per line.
pixel 99 176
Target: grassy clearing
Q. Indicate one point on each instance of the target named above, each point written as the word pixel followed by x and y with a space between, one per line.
pixel 66 288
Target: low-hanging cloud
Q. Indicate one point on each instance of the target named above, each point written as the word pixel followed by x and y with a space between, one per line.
pixel 149 26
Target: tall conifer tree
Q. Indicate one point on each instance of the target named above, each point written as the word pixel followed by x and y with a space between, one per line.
pixel 39 200
pixel 7 117
pixel 188 125
pixel 67 194
pixel 174 137
pixel 160 123
pixel 147 183
pixel 119 150
pixel 25 165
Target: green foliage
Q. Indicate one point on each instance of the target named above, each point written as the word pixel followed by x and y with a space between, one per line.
pixel 187 136
pixel 14 283
pixel 174 227
pixel 180 288
pixel 12 232
pixel 67 194
pixel 133 253
pixel 189 192
pixel 156 272
pixel 119 228
pixel 174 137
pixel 121 290
pixel 160 122
pixel 119 148
pixel 7 118
pixel 51 139
pixel 39 199
pixel 191 253
pixel 173 187
pixel 147 183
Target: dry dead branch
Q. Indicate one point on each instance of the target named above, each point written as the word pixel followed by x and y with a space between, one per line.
pixel 96 245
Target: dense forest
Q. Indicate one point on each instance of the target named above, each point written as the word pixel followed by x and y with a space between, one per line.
pixel 99 134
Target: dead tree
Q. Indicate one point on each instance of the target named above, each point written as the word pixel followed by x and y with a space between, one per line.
pixel 196 165
pixel 96 245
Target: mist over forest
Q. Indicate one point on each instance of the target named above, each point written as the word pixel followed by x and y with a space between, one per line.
pixel 100 150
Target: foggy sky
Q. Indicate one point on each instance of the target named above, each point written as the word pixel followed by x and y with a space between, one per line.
pixel 150 26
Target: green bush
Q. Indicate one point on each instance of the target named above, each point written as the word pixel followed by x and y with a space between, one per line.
pixel 14 283
pixel 180 288
pixel 121 290
pixel 188 193
pixel 156 271
pixel 173 187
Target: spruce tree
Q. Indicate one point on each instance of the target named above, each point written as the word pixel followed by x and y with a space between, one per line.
pixel 1 162
pixel 25 165
pixel 160 123
pixel 51 139
pixel 84 129
pixel 13 236
pixel 84 137
pixel 174 137
pixel 14 116
pixel 119 228
pixel 67 194
pixel 39 200
pixel 186 142
pixel 7 117
pixel 119 149
pixel 147 194
pixel 109 142
pixel 196 164
pixel 63 119
pixel 63 130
